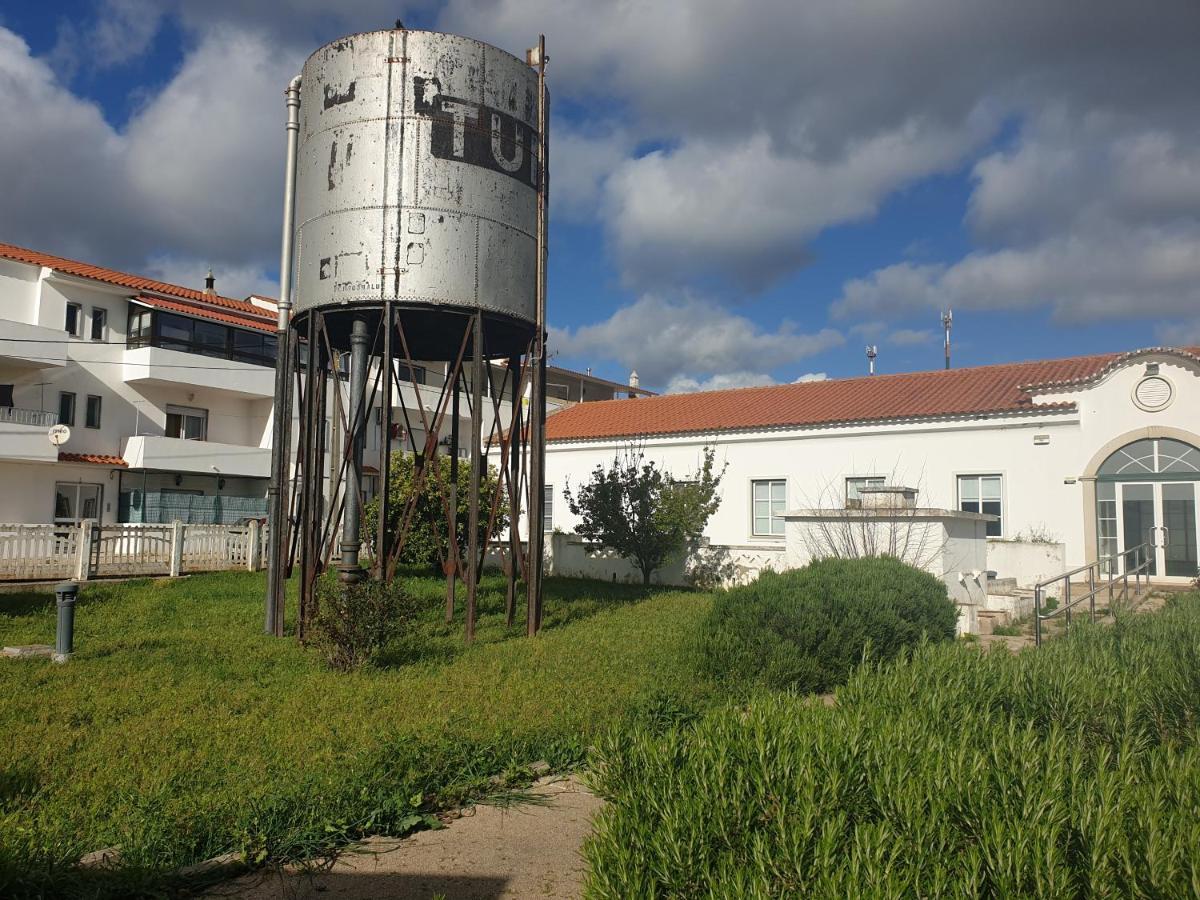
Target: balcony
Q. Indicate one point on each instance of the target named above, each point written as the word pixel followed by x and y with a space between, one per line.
pixel 166 454
pixel 23 435
pixel 174 368
pixel 31 347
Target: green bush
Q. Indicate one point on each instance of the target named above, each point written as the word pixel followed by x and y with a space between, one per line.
pixel 1067 771
pixel 353 622
pixel 425 544
pixel 806 629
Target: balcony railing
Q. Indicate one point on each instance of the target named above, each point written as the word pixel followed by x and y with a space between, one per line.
pixel 36 417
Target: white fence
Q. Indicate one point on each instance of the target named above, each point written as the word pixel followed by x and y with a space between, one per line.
pixel 89 550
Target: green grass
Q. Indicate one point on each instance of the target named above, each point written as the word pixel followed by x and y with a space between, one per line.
pixel 1072 770
pixel 179 731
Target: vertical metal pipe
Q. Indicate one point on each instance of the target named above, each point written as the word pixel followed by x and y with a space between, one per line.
pixel 537 412
pixel 349 570
pixel 385 444
pixel 281 430
pixel 514 488
pixel 453 551
pixel 477 376
pixel 1037 616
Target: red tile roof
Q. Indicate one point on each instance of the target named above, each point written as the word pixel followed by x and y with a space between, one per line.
pixel 205 302
pixel 262 324
pixel 980 391
pixel 98 459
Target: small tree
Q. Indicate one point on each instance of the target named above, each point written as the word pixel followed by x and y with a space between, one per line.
pixel 636 509
pixel 426 543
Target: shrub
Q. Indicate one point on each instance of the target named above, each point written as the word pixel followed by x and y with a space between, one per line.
pixel 352 622
pixel 807 628
pixel 425 544
pixel 1068 771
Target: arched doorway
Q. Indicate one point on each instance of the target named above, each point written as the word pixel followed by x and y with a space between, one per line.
pixel 1147 493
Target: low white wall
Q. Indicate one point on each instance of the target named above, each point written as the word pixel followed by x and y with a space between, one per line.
pixel 1026 561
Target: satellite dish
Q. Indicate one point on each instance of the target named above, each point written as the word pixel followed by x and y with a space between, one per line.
pixel 59 435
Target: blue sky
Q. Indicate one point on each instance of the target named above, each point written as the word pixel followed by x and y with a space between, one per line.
pixel 742 193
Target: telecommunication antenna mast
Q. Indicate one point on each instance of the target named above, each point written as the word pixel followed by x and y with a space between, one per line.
pixel 947 324
pixel 872 352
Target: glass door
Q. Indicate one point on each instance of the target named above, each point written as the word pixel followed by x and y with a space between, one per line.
pixel 1137 522
pixel 1178 530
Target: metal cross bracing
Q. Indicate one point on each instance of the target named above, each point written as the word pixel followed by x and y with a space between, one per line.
pixel 317 512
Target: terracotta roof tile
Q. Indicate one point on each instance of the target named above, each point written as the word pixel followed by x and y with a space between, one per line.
pixel 134 282
pixel 976 391
pixel 262 324
pixel 98 459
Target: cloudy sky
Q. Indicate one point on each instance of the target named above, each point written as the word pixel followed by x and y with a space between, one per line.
pixel 744 193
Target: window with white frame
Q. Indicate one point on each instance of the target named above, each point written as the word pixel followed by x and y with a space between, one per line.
pixel 99 323
pixel 855 485
pixel 548 508
pixel 983 494
pixel 187 423
pixel 768 497
pixel 74 319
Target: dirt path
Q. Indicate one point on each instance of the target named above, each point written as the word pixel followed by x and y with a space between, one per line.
pixel 527 850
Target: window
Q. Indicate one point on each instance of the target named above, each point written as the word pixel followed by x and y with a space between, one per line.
pixel 186 423
pixel 855 485
pixel 92 412
pixel 140 329
pixel 74 319
pixel 73 502
pixel 982 494
pixel 210 339
pixel 173 332
pixel 767 506
pixel 99 323
pixel 66 408
pixel 1106 522
pixel 407 374
pixel 548 508
pixel 6 395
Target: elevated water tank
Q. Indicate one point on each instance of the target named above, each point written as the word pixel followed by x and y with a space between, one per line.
pixel 417 180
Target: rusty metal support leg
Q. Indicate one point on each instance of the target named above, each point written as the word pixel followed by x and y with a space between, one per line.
pixel 477 376
pixel 349 571
pixel 452 550
pixel 385 447
pixel 514 489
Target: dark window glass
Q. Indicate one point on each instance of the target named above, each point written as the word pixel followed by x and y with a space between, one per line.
pixel 99 322
pixel 93 411
pixel 139 327
pixel 174 332
pixel 66 408
pixel 211 339
pixel 6 395
pixel 74 314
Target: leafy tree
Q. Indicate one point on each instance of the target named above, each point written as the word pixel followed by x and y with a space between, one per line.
pixel 426 544
pixel 641 512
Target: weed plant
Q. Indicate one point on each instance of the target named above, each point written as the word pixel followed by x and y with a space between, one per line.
pixel 1068 771
pixel 178 731
pixel 806 629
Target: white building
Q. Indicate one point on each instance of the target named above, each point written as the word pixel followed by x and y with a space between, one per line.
pixel 1097 454
pixel 168 394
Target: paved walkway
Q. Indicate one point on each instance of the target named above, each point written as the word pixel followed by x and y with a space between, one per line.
pixel 526 850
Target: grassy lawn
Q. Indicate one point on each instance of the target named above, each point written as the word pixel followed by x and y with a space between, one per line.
pixel 179 731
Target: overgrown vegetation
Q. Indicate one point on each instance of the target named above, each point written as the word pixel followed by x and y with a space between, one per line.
pixel 806 629
pixel 1069 771
pixel 352 623
pixel 643 513
pixel 178 731
pixel 425 544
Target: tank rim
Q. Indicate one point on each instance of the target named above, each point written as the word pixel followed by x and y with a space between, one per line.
pixel 354 34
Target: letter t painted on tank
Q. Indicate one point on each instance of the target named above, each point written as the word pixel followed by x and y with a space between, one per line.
pixel 460 111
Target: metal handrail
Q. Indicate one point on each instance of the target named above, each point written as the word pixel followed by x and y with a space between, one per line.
pixel 35 417
pixel 1141 557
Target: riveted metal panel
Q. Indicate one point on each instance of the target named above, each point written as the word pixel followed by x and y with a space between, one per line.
pixel 417 175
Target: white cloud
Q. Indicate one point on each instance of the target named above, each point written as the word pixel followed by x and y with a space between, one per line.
pixel 195 178
pixel 683 384
pixel 810 376
pixel 691 339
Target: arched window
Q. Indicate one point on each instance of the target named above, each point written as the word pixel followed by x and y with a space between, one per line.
pixel 1151 456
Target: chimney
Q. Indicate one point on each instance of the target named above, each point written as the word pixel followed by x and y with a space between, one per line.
pixel 634 382
pixel 210 284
